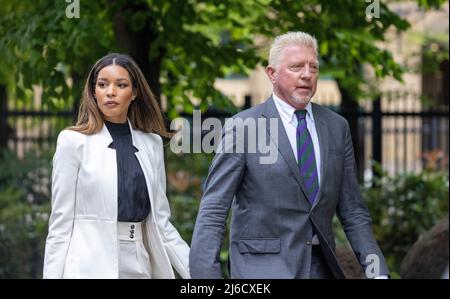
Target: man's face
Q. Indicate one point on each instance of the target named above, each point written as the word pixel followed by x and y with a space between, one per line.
pixel 295 77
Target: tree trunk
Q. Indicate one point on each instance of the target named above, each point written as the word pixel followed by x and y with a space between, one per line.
pixel 4 130
pixel 137 43
pixel 349 108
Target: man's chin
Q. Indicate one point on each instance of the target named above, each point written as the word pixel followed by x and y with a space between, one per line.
pixel 302 100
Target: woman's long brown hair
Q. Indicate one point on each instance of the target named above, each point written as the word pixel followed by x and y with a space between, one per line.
pixel 144 112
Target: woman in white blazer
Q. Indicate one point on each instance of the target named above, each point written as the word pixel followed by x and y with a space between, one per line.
pixel 110 215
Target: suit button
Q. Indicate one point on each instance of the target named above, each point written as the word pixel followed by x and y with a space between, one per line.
pixel 132 226
pixel 312 213
pixel 132 231
pixel 308 243
pixel 131 236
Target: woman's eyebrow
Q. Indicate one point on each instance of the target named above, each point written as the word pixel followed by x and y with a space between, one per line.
pixel 118 79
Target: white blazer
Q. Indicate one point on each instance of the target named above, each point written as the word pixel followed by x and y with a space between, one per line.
pixel 82 239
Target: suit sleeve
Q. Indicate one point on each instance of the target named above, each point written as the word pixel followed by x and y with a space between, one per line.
pixel 176 247
pixel 66 163
pixel 354 215
pixel 224 178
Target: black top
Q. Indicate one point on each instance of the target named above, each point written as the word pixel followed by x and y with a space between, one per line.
pixel 133 199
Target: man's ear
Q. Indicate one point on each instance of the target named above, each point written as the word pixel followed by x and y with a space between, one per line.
pixel 271 73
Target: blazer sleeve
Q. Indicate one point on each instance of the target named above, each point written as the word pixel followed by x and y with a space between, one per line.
pixel 354 215
pixel 66 163
pixel 224 178
pixel 176 247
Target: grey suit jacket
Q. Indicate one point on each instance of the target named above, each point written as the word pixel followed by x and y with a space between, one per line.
pixel 272 220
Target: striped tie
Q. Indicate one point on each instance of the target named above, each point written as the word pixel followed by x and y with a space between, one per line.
pixel 306 157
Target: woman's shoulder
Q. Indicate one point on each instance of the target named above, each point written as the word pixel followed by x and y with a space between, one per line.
pixel 70 145
pixel 70 133
pixel 69 136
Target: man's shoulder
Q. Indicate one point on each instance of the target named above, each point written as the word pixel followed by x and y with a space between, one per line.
pixel 326 114
pixel 252 112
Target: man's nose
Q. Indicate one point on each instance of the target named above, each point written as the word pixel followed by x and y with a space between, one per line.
pixel 306 73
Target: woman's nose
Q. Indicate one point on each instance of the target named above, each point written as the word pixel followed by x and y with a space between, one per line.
pixel 111 90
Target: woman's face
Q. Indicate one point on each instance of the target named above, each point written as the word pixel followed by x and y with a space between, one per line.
pixel 114 93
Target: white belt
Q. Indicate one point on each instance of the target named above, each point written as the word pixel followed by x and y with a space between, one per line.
pixel 129 231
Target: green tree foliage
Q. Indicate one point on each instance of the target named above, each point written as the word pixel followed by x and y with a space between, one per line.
pixel 187 44
pixel 404 207
pixel 24 211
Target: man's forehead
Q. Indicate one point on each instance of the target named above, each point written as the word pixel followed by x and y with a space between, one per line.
pixel 298 51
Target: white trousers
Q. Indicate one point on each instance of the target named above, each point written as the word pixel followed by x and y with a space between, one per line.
pixel 134 261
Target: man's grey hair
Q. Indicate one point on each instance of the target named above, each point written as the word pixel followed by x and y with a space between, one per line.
pixel 288 39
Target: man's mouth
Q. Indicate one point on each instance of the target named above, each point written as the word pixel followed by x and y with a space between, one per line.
pixel 308 88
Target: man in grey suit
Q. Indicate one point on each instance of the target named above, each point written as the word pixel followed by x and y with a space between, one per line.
pixel 282 211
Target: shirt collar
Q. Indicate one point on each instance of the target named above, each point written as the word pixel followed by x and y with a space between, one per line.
pixel 288 112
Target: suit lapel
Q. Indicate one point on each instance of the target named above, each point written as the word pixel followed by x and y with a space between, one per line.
pixel 109 166
pixel 283 144
pixel 142 156
pixel 322 133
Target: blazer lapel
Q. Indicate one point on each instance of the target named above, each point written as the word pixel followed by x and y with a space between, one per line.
pixel 143 156
pixel 283 144
pixel 322 133
pixel 109 166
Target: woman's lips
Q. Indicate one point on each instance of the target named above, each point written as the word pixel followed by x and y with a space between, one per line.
pixel 111 104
